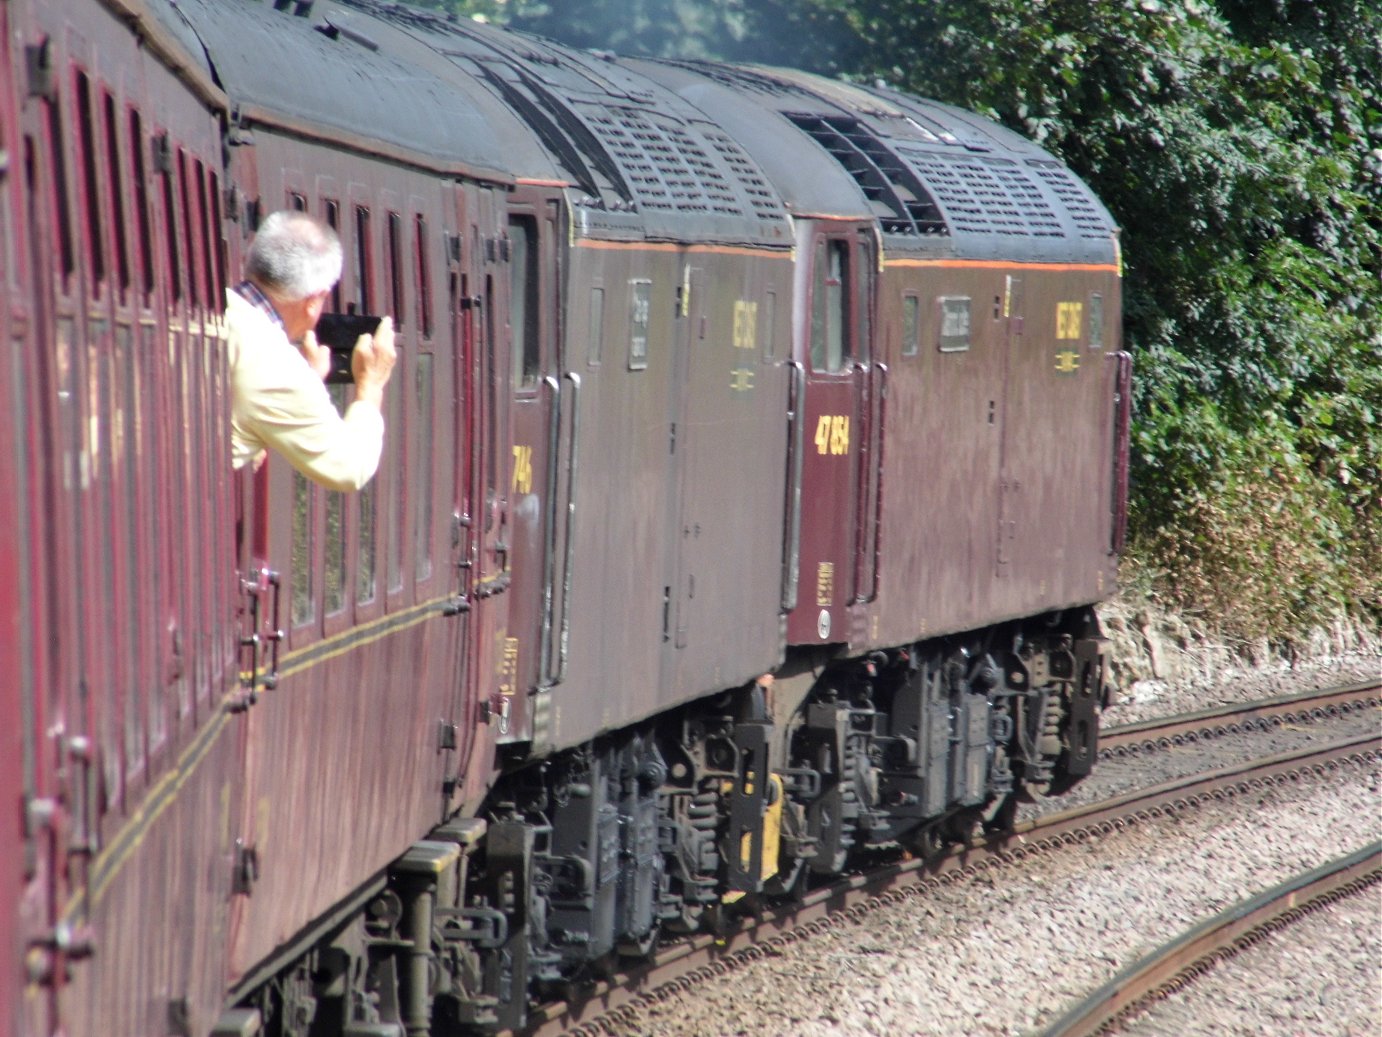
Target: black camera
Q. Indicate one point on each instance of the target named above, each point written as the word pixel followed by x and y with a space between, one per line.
pixel 339 332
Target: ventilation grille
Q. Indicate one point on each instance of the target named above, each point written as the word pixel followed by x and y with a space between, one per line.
pixel 668 168
pixel 764 200
pixel 1078 202
pixel 901 202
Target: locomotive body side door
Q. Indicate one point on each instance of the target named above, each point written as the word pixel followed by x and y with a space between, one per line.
pixel 831 345
pixel 540 398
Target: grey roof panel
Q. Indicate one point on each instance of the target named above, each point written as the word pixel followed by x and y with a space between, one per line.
pixel 341 70
pixel 938 179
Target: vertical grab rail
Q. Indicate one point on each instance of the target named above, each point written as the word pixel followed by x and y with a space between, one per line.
pixel 1122 422
pixel 791 559
pixel 549 545
pixel 572 479
pixel 880 452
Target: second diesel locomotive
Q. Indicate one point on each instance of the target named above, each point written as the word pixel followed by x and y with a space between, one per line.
pixel 756 459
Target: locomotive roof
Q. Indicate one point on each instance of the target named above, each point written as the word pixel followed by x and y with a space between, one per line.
pixel 939 180
pixel 672 150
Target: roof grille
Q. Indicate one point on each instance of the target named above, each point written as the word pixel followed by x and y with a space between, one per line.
pixel 1078 201
pixel 986 195
pixel 901 201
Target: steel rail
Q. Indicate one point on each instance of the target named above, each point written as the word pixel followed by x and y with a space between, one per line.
pixel 1181 961
pixel 1164 732
pixel 598 1008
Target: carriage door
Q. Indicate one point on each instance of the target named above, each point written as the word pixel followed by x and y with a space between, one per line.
pixel 832 347
pixel 542 400
pixel 479 290
pixel 34 839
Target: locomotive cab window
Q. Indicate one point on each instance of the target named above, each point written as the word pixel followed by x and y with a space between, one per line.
pixel 911 324
pixel 829 319
pixel 1096 321
pixel 523 301
pixel 640 308
pixel 596 332
pixel 954 324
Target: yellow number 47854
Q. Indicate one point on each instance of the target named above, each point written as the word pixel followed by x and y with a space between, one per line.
pixel 832 434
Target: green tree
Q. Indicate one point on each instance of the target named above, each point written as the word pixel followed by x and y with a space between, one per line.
pixel 1239 146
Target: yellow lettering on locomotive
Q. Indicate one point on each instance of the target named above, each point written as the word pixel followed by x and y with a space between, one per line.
pixel 1067 361
pixel 508 667
pixel 1069 318
pixel 745 324
pixel 825 583
pixel 522 469
pixel 832 434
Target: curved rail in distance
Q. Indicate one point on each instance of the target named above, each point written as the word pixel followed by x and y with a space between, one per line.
pixel 1180 961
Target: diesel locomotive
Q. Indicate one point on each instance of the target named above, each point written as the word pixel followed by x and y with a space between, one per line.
pixel 754 463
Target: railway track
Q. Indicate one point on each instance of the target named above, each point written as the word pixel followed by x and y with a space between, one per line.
pixel 1165 732
pixel 1179 962
pixel 601 1007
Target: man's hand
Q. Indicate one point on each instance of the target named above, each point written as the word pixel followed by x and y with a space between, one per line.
pixel 372 362
pixel 318 357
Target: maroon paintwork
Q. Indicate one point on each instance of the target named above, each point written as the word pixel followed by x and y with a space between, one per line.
pixel 620 479
pixel 1010 509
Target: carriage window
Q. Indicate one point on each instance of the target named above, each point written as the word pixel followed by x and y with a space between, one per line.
pixel 141 203
pixel 191 230
pixel 596 333
pixel 911 324
pixel 145 440
pixel 206 228
pixel 92 180
pixel 523 302
pixel 424 285
pixel 364 573
pixel 57 141
pixel 218 250
pixel 396 289
pixel 334 573
pixel 333 220
pixel 640 310
pixel 422 516
pixel 304 607
pixel 398 439
pixel 1096 321
pixel 117 190
pixel 954 324
pixel 364 293
pixel 170 216
pixel 297 202
pixel 828 318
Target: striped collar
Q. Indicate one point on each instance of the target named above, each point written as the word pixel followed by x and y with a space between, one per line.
pixel 250 292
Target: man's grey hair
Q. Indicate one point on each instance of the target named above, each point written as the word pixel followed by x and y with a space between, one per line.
pixel 294 255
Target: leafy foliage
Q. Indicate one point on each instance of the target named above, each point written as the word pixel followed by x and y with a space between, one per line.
pixel 1238 144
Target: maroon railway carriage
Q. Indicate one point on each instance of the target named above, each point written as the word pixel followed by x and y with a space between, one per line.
pixel 752 468
pixel 120 632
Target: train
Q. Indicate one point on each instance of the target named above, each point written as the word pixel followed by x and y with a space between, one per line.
pixel 755 463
